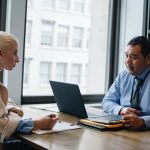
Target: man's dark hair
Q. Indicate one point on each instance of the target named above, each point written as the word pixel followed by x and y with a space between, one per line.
pixel 143 42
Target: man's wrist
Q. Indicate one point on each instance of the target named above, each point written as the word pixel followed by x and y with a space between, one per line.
pixel 144 124
pixel 120 111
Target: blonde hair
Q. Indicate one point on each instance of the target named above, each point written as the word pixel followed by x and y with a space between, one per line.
pixel 6 40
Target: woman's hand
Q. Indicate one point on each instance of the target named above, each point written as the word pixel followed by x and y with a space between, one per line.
pixel 16 110
pixel 45 123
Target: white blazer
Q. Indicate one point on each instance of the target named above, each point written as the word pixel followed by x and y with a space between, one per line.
pixel 8 121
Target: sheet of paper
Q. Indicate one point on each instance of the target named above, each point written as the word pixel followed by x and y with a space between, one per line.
pixel 60 126
pixel 48 107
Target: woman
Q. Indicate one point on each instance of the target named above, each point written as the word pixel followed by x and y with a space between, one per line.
pixel 10 114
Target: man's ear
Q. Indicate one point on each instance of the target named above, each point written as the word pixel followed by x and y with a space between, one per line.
pixel 148 59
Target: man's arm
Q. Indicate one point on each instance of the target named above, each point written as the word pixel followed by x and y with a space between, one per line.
pixel 111 101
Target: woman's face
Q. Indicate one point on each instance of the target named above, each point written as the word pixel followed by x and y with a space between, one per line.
pixel 9 58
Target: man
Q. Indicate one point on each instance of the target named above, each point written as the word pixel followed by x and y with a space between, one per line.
pixel 10 114
pixel 129 95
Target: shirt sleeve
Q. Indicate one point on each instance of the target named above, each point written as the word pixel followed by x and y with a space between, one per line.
pixel 147 121
pixel 25 126
pixel 111 101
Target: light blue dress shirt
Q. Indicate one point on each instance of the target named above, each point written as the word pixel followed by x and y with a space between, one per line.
pixel 119 95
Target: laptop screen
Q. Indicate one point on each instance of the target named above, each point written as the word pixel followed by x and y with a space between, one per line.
pixel 68 98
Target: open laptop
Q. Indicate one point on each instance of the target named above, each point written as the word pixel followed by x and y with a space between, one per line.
pixel 69 100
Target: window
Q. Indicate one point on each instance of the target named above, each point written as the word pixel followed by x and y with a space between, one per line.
pixel 148 19
pixel 84 42
pixel 47 33
pixel 79 6
pixel 63 33
pixel 45 72
pixel 87 38
pixel 48 3
pixel 61 72
pixel 28 32
pixel 97 21
pixel 64 4
pixel 76 73
pixel 77 37
pixel 30 3
pixel 26 71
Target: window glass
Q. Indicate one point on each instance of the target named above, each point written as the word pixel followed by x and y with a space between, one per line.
pixel 77 37
pixel 76 73
pixel 26 71
pixel 64 4
pixel 45 72
pixel 48 3
pixel 63 35
pixel 30 3
pixel 66 46
pixel 79 6
pixel 28 32
pixel 47 33
pixel 61 72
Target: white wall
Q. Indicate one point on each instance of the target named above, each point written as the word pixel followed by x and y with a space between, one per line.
pixel 131 25
pixel 134 18
pixel 15 25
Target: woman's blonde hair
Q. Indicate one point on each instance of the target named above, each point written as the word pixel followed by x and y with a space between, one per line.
pixel 6 40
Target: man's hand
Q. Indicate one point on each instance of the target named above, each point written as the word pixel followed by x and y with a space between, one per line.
pixel 133 122
pixel 128 111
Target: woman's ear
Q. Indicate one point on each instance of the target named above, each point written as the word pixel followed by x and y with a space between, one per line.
pixel 0 52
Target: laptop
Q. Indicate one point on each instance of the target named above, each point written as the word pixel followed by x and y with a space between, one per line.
pixel 69 100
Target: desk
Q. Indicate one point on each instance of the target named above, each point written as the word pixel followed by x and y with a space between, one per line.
pixel 85 138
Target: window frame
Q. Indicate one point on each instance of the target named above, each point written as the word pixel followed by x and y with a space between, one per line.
pixel 89 98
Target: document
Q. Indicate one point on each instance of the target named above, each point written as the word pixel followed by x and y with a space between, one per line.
pixel 60 126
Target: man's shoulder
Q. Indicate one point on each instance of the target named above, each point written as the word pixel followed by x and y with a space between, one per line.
pixel 124 73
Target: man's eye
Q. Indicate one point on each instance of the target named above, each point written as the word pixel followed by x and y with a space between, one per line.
pixel 133 57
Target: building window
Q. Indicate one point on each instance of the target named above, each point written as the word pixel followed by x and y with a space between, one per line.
pixel 48 3
pixel 76 73
pixel 61 72
pixel 45 72
pixel 30 3
pixel 47 33
pixel 28 32
pixel 87 38
pixel 79 6
pixel 26 71
pixel 77 37
pixel 64 4
pixel 63 35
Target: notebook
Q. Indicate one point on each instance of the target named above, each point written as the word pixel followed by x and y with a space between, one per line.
pixel 69 100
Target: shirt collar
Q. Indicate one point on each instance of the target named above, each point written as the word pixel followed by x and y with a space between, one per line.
pixel 144 73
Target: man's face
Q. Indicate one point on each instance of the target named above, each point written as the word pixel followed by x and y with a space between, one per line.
pixel 9 58
pixel 135 61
